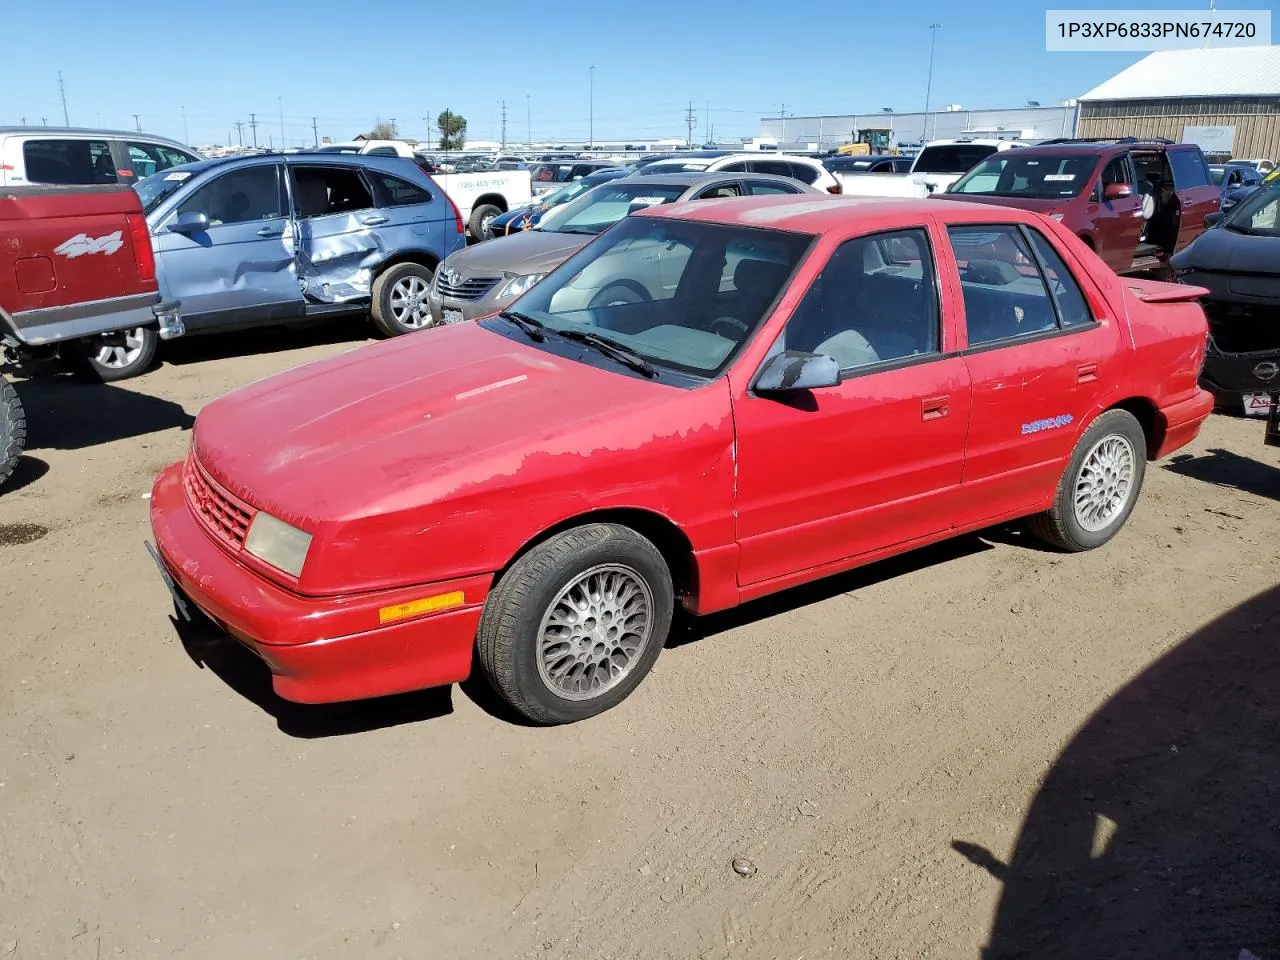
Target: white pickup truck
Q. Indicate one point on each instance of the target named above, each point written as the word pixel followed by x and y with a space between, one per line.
pixel 940 164
pixel 479 197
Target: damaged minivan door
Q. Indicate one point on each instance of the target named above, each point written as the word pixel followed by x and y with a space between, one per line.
pixel 237 265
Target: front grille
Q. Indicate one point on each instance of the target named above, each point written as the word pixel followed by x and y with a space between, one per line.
pixel 223 515
pixel 465 288
pixel 1240 328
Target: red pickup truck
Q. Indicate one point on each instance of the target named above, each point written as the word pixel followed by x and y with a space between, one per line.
pixel 76 267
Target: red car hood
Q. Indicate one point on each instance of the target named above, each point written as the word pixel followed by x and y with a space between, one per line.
pixel 1022 203
pixel 402 423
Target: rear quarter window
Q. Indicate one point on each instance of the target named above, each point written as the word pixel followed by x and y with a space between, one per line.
pixel 68 161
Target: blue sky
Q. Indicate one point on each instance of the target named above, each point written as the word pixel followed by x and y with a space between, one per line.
pixel 348 63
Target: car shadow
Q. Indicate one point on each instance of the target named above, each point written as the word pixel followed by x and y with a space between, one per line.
pixel 64 413
pixel 209 646
pixel 1157 831
pixel 1226 469
pixel 689 629
pixel 230 344
pixel 26 472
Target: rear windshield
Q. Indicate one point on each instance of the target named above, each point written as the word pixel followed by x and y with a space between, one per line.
pixel 552 172
pixel 1014 174
pixel 951 158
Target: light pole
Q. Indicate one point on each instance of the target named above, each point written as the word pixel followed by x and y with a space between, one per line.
pixel 928 87
pixel 591 108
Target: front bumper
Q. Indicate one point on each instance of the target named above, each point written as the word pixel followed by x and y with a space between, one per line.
pixel 486 306
pixel 319 650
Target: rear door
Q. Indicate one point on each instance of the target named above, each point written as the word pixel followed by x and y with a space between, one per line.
pixel 1039 354
pixel 338 231
pixel 241 270
pixel 1197 196
pixel 408 215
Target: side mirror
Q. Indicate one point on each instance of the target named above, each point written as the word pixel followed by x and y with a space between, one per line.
pixel 1117 191
pixel 794 370
pixel 1213 219
pixel 189 223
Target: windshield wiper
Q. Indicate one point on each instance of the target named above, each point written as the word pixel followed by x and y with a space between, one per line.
pixel 526 323
pixel 611 349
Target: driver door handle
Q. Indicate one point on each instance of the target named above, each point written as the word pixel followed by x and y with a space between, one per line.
pixel 934 408
pixel 374 220
pixel 271 232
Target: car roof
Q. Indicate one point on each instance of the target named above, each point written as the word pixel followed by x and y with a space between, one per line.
pixel 818 213
pixel 391 164
pixel 87 132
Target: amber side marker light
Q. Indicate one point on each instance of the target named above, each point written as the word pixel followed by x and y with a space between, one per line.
pixel 411 608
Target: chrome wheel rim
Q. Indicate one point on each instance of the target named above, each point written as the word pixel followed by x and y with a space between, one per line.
pixel 485 221
pixel 595 632
pixel 409 303
pixel 1104 483
pixel 119 350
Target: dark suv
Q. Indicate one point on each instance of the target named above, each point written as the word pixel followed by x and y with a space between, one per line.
pixel 1135 202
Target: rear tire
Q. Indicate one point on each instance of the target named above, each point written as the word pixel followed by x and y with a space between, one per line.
pixel 122 355
pixel 399 299
pixel 576 623
pixel 13 429
pixel 1100 487
pixel 480 217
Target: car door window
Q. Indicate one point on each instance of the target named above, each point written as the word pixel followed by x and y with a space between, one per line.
pixel 1189 169
pixel 803 172
pixel 149 158
pixel 721 190
pixel 325 190
pixel 1073 309
pixel 397 192
pixel 765 188
pixel 242 196
pixel 1005 296
pixel 779 168
pixel 874 302
pixel 1117 171
pixel 738 166
pixel 69 161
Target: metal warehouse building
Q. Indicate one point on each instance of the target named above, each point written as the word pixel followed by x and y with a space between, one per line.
pixel 1225 99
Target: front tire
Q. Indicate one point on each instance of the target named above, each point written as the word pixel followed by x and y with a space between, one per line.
pixel 399 299
pixel 576 623
pixel 122 355
pixel 13 429
pixel 1100 486
pixel 481 217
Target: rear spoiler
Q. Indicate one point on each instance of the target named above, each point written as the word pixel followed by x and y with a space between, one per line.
pixel 1157 291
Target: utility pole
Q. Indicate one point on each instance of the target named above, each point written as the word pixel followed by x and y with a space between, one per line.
pixel 690 120
pixel 315 130
pixel 782 115
pixel 62 92
pixel 44 121
pixel 137 122
pixel 394 132
pixel 528 119
pixel 24 121
pixel 239 133
pixel 186 137
pixel 504 126
pixel 253 125
pixel 591 107
pixel 928 87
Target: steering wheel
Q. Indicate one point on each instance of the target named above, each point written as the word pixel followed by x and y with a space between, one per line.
pixel 738 329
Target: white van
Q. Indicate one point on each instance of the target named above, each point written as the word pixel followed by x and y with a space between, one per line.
pixel 73 155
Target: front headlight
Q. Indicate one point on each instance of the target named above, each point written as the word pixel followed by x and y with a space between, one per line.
pixel 277 543
pixel 518 285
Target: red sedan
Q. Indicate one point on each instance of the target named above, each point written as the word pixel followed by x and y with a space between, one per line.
pixel 791 387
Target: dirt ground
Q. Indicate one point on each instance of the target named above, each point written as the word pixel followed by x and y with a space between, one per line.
pixel 875 746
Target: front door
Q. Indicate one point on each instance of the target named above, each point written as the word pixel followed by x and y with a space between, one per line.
pixel 240 270
pixel 1039 356
pixel 337 239
pixel 1117 224
pixel 832 474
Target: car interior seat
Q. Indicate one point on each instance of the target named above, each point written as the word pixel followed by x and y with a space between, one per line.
pixel 313 196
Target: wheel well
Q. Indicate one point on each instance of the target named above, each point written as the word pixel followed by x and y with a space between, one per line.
pixel 657 529
pixel 413 256
pixel 1144 411
pixel 492 199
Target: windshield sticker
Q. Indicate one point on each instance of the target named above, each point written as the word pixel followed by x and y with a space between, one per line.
pixel 647 201
pixel 177 175
pixel 1050 423
pixel 1059 176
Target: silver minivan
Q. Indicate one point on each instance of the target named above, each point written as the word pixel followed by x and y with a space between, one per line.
pixel 74 155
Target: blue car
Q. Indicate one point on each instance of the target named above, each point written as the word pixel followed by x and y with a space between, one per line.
pixel 522 218
pixel 284 238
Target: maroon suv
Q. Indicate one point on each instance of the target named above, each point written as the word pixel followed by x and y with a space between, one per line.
pixel 1136 202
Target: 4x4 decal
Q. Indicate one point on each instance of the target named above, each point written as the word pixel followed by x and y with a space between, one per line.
pixel 82 243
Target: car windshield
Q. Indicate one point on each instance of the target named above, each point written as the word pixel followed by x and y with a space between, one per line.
pixel 152 190
pixel 1040 176
pixel 601 207
pixel 551 172
pixel 681 294
pixel 951 158
pixel 1258 214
